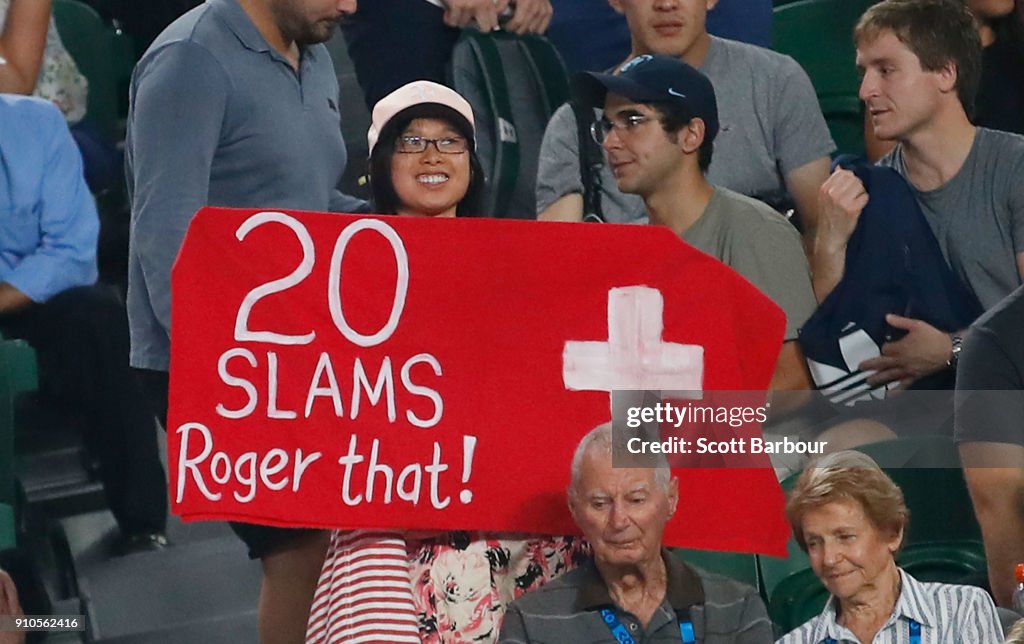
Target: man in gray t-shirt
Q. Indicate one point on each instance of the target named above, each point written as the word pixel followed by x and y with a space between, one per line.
pixel 660 119
pixel 981 247
pixel 967 180
pixel 773 138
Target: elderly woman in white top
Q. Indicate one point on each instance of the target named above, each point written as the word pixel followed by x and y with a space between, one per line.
pixel 850 519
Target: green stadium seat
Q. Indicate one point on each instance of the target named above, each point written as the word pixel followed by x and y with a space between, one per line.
pixel 18 375
pixel 739 566
pixel 819 35
pixel 8 531
pixel 796 599
pixel 91 44
pixel 947 562
pixel 927 469
pixel 773 570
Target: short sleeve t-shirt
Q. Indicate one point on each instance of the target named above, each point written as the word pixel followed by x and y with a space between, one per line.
pixel 978 215
pixel 759 244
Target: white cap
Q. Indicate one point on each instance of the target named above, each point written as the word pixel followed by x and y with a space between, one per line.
pixel 420 92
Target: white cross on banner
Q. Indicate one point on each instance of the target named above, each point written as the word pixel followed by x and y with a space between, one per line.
pixel 634 357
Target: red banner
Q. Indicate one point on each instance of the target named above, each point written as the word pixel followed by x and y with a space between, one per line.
pixel 397 372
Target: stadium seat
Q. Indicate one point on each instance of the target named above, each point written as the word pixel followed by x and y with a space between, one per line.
pixel 947 562
pixel 927 469
pixel 17 376
pixel 819 35
pixel 43 462
pixel 796 599
pixel 738 566
pixel 773 570
pixel 8 527
pixel 91 44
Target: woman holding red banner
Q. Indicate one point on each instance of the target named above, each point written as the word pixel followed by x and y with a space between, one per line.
pixel 452 587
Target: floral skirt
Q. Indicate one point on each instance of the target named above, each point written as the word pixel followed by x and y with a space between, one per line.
pixel 463 582
pixel 453 588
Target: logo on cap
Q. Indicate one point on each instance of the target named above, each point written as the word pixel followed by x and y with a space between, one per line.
pixel 675 93
pixel 639 60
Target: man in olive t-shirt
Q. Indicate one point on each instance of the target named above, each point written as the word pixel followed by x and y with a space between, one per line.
pixel 660 119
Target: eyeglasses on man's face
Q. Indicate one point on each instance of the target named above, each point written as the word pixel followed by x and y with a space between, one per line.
pixel 625 124
pixel 444 145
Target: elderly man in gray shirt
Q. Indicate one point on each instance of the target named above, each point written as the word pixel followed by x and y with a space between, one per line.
pixel 234 104
pixel 633 590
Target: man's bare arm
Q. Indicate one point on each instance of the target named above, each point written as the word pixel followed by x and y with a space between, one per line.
pixel 22 43
pixel 790 376
pixel 995 478
pixel 565 208
pixel 791 369
pixel 841 199
pixel 803 185
pixel 11 299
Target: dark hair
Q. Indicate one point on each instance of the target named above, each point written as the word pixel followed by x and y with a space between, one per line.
pixel 675 117
pixel 385 199
pixel 939 32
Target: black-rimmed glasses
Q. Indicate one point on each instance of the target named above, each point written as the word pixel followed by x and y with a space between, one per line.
pixel 444 145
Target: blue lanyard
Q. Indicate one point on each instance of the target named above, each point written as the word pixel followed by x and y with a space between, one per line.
pixel 913 627
pixel 622 636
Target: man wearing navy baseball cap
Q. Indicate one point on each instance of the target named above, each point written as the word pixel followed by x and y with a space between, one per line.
pixel 773 143
pixel 658 129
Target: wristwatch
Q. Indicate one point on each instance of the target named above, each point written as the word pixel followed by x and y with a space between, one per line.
pixel 958 346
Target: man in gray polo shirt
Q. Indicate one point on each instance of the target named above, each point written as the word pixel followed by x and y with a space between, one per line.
pixel 234 104
pixel 633 589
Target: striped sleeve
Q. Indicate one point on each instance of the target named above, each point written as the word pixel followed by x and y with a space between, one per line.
pixel 979 621
pixel 801 635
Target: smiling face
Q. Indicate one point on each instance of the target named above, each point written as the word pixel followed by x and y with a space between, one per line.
pixel 900 96
pixel 850 555
pixel 621 511
pixel 668 27
pixel 430 183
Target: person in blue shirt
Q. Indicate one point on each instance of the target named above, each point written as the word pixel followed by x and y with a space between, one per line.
pixel 79 329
